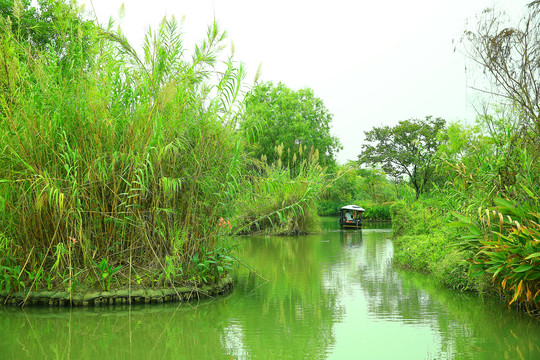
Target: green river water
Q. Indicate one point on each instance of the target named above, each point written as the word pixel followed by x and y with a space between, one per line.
pixel 329 296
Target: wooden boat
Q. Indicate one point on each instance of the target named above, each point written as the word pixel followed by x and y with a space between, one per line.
pixel 350 217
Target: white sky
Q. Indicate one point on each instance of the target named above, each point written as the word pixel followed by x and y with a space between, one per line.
pixel 372 62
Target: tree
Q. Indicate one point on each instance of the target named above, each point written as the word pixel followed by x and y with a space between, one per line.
pixel 508 54
pixel 276 115
pixel 407 149
pixel 510 57
pixel 374 183
pixel 53 24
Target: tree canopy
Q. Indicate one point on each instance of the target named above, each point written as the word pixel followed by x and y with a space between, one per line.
pixel 52 24
pixel 276 115
pixel 405 150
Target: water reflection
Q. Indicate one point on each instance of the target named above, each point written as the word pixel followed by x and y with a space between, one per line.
pixel 350 237
pixel 334 295
pixel 291 313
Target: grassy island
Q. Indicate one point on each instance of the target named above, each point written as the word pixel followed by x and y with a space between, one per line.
pixel 124 169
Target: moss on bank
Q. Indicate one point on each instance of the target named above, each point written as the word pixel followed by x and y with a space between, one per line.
pixel 122 296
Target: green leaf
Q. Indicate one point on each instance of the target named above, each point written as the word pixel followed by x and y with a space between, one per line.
pixel 498 270
pixel 533 276
pixel 475 230
pixel 462 219
pixel 522 268
pixel 529 192
pixel 533 256
pixel 458 224
pixel 504 203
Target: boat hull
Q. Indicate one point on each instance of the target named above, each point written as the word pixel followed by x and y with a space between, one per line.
pixel 351 226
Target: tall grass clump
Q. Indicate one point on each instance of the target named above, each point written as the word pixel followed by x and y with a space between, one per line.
pixel 282 198
pixel 114 163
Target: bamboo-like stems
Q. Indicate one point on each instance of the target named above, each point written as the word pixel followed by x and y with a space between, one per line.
pixel 111 155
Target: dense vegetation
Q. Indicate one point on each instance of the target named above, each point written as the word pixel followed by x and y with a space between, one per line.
pixel 478 228
pixel 368 187
pixel 277 115
pixel 124 169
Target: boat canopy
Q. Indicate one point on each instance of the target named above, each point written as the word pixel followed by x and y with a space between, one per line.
pixel 353 208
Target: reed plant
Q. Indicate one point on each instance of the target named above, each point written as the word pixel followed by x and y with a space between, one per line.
pixel 282 197
pixel 111 157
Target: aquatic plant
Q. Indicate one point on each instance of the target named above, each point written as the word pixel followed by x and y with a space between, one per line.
pixel 107 272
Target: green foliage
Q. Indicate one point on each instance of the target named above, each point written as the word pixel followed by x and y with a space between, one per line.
pixel 341 188
pixel 495 184
pixel 506 244
pixel 422 242
pixel 343 185
pixel 492 187
pixel 374 186
pixel 498 194
pixel 368 187
pixel 414 219
pixel 375 212
pixel 281 199
pixel 276 115
pixel 47 24
pixel 10 274
pixel 108 154
pixel 106 273
pixel 210 266
pixel 172 271
pixel 484 160
pixel 328 207
pixel 406 150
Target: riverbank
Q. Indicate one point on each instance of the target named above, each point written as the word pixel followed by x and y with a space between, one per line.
pixel 115 297
pixel 425 242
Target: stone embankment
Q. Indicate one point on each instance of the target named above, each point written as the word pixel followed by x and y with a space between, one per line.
pixel 124 296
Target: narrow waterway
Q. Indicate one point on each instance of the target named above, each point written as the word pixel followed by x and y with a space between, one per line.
pixel 328 296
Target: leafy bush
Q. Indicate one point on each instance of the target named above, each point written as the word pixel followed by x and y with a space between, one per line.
pixel 423 242
pixel 506 245
pixel 376 212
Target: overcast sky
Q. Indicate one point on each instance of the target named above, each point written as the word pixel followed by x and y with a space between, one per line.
pixel 372 62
